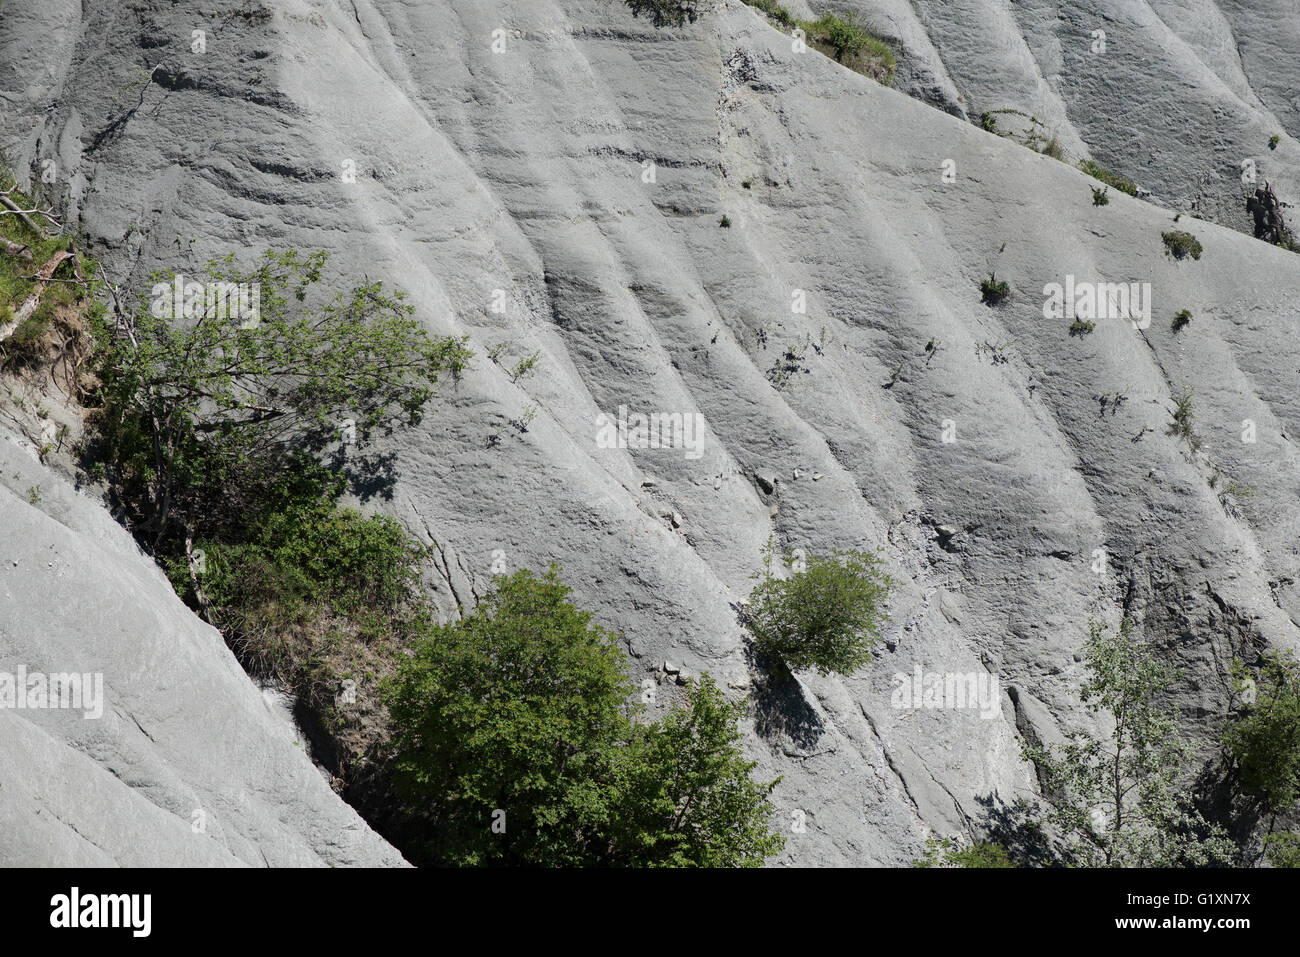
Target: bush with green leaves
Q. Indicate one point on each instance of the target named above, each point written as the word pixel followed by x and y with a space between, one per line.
pixel 1263 741
pixel 198 414
pixel 826 614
pixel 670 13
pixel 1182 244
pixel 853 44
pixel 1119 800
pixel 948 853
pixel 994 290
pixel 1283 849
pixel 516 742
pixel 1182 318
pixel 1100 197
pixel 774 10
pixel 1114 180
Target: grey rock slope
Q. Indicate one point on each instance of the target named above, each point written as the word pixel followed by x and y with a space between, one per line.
pixel 552 175
pixel 180 760
pixel 1181 97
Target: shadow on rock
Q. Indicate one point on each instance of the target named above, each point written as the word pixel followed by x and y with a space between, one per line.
pixel 781 709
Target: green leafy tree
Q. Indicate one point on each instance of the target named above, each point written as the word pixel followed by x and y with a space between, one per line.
pixel 1264 741
pixel 826 614
pixel 1117 799
pixel 199 413
pixel 947 853
pixel 1283 849
pixel 691 801
pixel 515 740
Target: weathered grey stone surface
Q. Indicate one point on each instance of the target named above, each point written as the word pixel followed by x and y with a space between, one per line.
pixel 1181 97
pixel 525 171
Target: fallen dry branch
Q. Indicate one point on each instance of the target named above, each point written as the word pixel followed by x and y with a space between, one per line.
pixel 42 277
pixel 12 208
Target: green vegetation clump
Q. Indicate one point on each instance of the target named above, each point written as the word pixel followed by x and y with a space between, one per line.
pixel 947 853
pixel 670 13
pixel 1182 244
pixel 515 743
pixel 1264 740
pixel 842 37
pixel 988 122
pixel 1181 319
pixel 826 615
pixel 993 290
pixel 56 329
pixel 200 418
pixel 1283 849
pixel 1081 327
pixel 1114 180
pixel 1183 416
pixel 1100 197
pixel 1273 140
pixel 774 10
pixel 1117 799
pixel 725 221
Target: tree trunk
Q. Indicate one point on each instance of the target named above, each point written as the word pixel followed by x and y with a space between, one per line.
pixel 30 304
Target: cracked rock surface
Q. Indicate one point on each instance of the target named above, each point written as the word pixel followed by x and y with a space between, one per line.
pixel 564 196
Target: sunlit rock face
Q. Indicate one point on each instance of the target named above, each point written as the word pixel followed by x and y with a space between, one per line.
pixel 555 176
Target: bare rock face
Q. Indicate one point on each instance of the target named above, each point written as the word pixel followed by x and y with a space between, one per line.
pixel 555 176
pixel 1181 98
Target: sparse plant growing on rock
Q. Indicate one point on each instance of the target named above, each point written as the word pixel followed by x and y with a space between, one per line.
pixel 988 122
pixel 1181 424
pixel 1182 244
pixel 1099 197
pixel 1081 327
pixel 825 615
pixel 524 367
pixel 725 221
pixel 1181 319
pixel 993 290
pixel 1114 180
pixel 1274 140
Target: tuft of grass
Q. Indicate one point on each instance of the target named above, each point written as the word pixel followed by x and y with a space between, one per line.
pixel 1183 416
pixel 988 122
pixel 841 37
pixel 1100 197
pixel 1081 327
pixel 725 221
pixel 774 10
pixel 1274 140
pixel 1182 244
pixel 1121 183
pixel 1182 319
